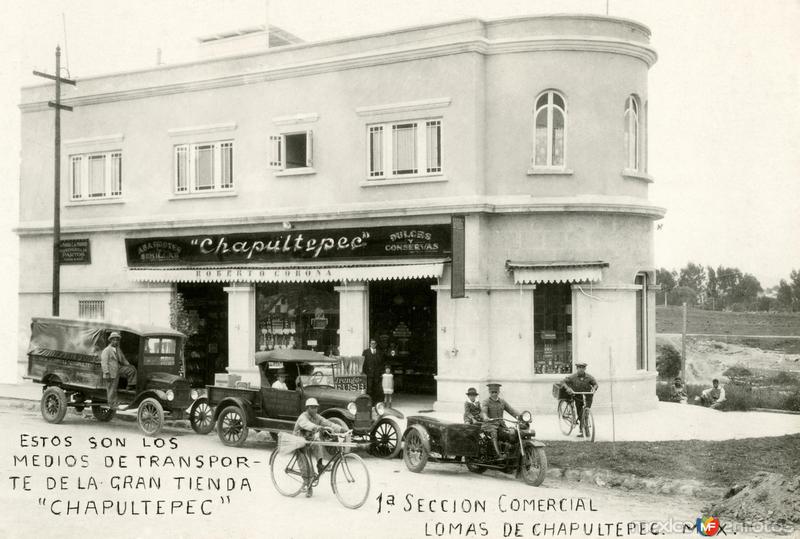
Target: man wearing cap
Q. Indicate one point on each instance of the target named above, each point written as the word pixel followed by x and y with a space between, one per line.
pixel 114 365
pixel 581 382
pixel 280 383
pixel 309 425
pixel 472 407
pixel 493 408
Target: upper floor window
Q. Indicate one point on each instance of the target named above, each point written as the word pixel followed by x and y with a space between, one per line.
pixel 204 167
pixel 410 148
pixel 91 309
pixel 550 119
pixel 632 133
pixel 96 175
pixel 292 151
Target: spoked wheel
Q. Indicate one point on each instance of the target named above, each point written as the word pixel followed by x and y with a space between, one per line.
pixel 103 414
pixel 534 464
pixel 232 426
pixel 588 425
pixel 150 416
pixel 54 404
pixel 566 417
pixel 385 439
pixel 286 471
pixel 201 416
pixel 415 454
pixel 350 481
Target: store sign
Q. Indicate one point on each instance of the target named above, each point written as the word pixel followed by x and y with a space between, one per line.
pixel 74 251
pixel 351 383
pixel 388 242
pixel 319 323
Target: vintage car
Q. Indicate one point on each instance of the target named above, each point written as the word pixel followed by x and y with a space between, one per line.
pixel 427 438
pixel 235 409
pixel 64 355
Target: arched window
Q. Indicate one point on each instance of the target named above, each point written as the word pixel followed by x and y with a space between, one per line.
pixel 550 119
pixel 632 133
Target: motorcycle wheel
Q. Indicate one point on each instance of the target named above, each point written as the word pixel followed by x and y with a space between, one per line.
pixel 533 465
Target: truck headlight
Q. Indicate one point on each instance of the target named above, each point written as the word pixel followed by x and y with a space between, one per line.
pixel 380 408
pixel 351 407
pixel 194 394
pixel 170 395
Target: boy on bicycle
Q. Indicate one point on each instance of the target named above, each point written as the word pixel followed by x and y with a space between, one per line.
pixel 581 382
pixel 309 425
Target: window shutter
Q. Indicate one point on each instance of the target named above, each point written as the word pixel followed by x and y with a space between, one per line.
pixel 309 148
pixel 275 147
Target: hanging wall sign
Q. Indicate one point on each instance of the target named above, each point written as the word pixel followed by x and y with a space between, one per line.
pixel 74 251
pixel 389 242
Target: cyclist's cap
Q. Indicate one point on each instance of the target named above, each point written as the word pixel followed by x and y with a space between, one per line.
pixel 494 387
pixel 311 402
pixel 114 335
pixel 580 363
pixel 472 391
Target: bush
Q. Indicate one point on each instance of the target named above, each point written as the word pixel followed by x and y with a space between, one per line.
pixel 737 371
pixel 668 361
pixel 783 378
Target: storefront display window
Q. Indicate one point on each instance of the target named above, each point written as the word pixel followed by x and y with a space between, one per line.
pixel 552 326
pixel 297 315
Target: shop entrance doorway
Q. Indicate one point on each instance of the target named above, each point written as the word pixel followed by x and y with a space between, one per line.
pixel 206 352
pixel 402 318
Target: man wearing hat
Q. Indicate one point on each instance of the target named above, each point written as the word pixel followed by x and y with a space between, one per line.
pixel 582 382
pixel 309 425
pixel 114 365
pixel 493 408
pixel 472 407
pixel 280 383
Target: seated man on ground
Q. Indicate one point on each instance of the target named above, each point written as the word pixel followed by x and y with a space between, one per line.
pixel 713 396
pixel 678 392
pixel 310 426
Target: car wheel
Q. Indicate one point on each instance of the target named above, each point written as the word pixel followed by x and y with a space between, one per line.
pixel 103 414
pixel 385 438
pixel 150 416
pixel 201 416
pixel 415 453
pixel 54 404
pixel 232 426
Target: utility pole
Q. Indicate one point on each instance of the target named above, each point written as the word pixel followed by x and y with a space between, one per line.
pixel 57 190
pixel 683 345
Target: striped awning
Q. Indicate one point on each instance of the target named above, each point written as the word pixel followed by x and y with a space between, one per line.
pixel 556 272
pixel 291 273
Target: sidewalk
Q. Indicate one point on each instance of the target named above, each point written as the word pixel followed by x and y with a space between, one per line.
pixel 668 421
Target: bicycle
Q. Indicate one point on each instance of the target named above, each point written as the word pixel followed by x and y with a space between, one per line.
pixel 568 416
pixel 349 475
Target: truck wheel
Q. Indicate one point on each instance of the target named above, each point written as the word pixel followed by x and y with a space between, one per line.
pixel 54 404
pixel 103 413
pixel 415 453
pixel 232 426
pixel 150 416
pixel 201 416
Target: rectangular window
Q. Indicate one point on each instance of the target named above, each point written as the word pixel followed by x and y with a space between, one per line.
pixel 552 327
pixel 95 175
pixel 204 167
pixel 414 148
pixel 91 309
pixel 291 151
pixel 641 322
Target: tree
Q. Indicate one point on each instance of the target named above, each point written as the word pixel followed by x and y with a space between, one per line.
pixel 727 282
pixel 683 294
pixel 785 296
pixel 746 290
pixel 667 280
pixel 712 289
pixel 794 282
pixel 693 276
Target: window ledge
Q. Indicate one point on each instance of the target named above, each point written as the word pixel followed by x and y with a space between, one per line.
pixel 547 171
pixel 636 175
pixel 377 182
pixel 213 194
pixel 303 171
pixel 94 202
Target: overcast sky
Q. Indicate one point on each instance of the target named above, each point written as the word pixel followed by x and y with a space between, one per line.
pixel 724 104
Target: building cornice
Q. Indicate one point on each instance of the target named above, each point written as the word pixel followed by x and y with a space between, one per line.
pixel 517 204
pixel 474 44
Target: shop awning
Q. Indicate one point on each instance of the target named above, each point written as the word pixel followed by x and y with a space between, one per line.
pixel 292 273
pixel 556 272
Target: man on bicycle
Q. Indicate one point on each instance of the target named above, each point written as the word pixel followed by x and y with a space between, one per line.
pixel 581 382
pixel 310 425
pixel 493 408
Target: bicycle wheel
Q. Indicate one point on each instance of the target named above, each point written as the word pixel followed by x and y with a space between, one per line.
pixel 350 481
pixel 286 472
pixel 566 416
pixel 588 425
